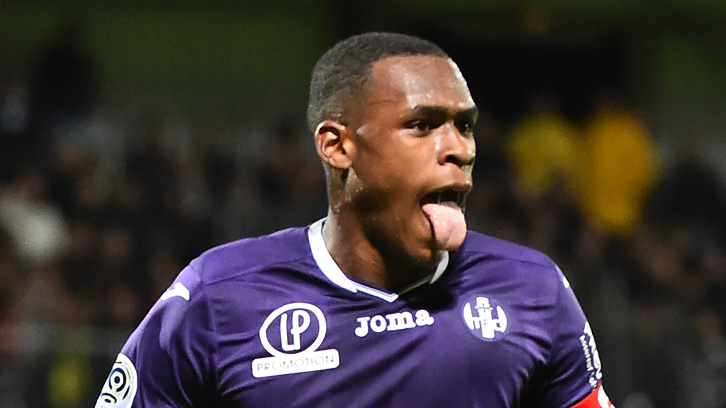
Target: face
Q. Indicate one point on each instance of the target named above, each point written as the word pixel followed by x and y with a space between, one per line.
pixel 412 144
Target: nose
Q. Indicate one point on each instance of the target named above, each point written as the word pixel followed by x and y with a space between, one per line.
pixel 456 147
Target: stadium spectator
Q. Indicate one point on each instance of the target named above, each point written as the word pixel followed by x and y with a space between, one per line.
pixel 619 168
pixel 543 148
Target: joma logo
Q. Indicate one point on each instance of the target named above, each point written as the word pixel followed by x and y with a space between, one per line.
pixel 392 322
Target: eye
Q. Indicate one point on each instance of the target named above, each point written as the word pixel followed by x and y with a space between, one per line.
pixel 466 127
pixel 420 126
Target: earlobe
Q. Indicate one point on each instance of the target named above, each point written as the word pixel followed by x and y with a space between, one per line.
pixel 333 144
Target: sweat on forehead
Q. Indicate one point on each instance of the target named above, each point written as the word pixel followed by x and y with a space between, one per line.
pixel 416 76
pixel 344 69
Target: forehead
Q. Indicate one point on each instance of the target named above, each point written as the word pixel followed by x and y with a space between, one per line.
pixel 418 80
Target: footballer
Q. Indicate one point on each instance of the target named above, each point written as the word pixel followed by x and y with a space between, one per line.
pixel 389 301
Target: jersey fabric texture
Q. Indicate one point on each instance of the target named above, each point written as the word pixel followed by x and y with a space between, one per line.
pixel 272 321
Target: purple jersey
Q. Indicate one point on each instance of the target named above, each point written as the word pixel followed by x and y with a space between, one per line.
pixel 273 322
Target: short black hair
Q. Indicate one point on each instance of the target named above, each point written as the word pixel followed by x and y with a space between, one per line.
pixel 345 68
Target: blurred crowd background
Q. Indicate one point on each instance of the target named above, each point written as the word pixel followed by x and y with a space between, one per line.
pixel 135 136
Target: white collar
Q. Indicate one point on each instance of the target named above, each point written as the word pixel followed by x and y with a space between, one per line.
pixel 333 272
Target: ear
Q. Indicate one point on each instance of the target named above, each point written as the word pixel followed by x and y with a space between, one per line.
pixel 334 145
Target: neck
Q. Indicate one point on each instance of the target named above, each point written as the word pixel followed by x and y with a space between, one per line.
pixel 358 257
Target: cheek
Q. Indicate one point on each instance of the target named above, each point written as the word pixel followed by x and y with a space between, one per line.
pixel 410 161
pixel 421 153
pixel 396 160
pixel 471 148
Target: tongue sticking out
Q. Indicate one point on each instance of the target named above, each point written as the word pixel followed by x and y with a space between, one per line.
pixel 448 224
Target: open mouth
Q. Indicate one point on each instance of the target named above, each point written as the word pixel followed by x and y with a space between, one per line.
pixel 454 197
pixel 444 210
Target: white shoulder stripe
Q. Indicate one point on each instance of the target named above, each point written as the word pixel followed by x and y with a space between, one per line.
pixel 565 282
pixel 178 289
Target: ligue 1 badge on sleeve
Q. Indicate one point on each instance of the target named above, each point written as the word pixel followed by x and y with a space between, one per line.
pixel 119 389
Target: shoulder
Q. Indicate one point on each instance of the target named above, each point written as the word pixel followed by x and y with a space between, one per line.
pixel 215 277
pixel 495 259
pixel 251 255
pixel 478 244
pixel 185 307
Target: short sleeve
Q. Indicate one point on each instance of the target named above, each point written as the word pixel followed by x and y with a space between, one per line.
pixel 573 372
pixel 169 360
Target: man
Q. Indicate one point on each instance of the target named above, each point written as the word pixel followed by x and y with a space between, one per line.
pixel 388 301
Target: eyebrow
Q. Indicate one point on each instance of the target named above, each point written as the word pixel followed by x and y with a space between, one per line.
pixel 427 110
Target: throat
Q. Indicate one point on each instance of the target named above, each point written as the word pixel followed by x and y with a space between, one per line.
pixel 401 278
pixel 384 272
pixel 376 263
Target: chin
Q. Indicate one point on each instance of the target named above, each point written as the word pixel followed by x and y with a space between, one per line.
pixel 427 257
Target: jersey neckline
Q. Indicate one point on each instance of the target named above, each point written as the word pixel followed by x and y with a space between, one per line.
pixel 332 271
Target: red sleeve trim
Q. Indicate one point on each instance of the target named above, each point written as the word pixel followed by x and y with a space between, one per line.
pixel 596 399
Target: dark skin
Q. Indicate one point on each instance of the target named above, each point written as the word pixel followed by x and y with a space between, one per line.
pixel 410 134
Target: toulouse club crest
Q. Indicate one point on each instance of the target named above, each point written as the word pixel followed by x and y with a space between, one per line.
pixel 485 318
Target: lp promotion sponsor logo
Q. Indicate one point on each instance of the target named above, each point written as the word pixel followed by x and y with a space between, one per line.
pixel 292 334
